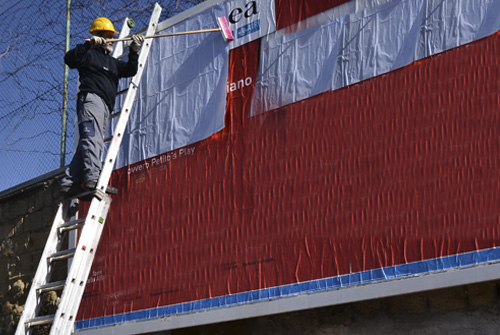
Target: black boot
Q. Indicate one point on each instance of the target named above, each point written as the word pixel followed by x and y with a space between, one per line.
pixel 70 191
pixel 91 185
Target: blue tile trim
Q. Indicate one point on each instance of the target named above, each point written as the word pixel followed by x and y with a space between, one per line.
pixel 313 286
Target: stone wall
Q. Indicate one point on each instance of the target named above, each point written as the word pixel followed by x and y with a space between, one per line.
pixel 26 215
pixel 468 309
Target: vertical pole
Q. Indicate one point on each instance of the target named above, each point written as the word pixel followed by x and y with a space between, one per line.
pixel 65 89
pixel 72 234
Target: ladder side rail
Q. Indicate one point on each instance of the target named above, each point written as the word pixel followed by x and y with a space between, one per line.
pixel 118 49
pixel 43 273
pixel 77 278
pixel 127 105
pixel 118 53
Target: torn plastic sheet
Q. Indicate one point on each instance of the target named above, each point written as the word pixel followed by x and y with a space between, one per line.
pixel 362 45
pixel 313 286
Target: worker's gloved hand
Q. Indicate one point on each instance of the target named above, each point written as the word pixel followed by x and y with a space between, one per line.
pixel 97 41
pixel 137 41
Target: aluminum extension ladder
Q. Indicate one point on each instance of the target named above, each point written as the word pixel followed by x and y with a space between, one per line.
pixel 92 225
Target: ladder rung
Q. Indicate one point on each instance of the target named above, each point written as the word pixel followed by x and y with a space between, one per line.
pixel 112 116
pixel 39 321
pixel 123 55
pixel 71 225
pixel 122 91
pixel 65 254
pixel 107 139
pixel 57 285
pixel 83 194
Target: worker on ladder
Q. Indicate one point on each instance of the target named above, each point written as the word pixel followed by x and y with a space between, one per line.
pixel 98 74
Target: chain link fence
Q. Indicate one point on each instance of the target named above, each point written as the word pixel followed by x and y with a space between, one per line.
pixel 32 45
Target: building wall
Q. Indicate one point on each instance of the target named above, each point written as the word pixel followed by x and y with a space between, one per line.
pixel 471 309
pixel 27 213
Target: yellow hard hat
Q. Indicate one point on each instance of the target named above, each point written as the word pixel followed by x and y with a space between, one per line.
pixel 102 23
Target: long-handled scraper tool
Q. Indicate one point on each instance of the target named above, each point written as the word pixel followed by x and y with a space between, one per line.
pixel 221 21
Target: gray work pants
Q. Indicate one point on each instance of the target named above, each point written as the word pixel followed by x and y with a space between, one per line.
pixel 93 116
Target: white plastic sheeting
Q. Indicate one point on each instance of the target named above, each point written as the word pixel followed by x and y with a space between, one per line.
pixel 182 95
pixel 249 20
pixel 364 44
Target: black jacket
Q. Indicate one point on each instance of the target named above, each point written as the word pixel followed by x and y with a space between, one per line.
pixel 99 71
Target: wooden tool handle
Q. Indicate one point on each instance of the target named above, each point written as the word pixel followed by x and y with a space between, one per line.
pixel 164 35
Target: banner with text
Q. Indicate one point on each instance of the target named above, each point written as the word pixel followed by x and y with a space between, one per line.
pixel 392 175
